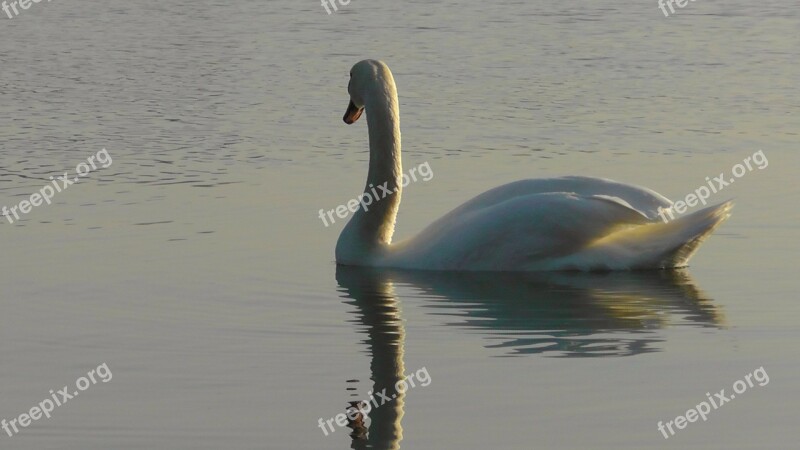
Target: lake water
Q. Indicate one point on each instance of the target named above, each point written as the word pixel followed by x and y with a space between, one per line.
pixel 196 268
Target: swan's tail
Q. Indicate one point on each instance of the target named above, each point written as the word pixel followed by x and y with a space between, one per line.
pixel 662 245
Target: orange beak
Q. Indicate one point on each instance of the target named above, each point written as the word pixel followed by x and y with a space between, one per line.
pixel 352 114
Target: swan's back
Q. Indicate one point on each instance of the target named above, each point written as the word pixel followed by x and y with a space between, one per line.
pixel 569 223
pixel 644 200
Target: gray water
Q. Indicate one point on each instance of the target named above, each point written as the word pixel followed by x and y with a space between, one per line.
pixel 196 268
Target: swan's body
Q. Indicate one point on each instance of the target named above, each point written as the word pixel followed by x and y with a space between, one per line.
pixel 568 223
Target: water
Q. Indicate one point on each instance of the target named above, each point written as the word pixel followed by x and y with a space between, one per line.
pixel 196 267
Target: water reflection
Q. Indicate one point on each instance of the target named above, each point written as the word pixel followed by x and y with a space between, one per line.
pixel 556 314
pixel 378 315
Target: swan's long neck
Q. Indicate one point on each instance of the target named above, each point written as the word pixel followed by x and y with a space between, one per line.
pixel 369 232
pixel 385 166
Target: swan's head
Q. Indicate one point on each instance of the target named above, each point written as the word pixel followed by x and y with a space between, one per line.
pixel 365 77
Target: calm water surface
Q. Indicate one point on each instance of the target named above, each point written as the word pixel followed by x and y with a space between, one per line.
pixel 196 267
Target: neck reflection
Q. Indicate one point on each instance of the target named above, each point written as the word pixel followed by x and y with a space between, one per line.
pixel 378 313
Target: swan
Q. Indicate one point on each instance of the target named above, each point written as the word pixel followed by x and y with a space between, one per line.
pixel 565 223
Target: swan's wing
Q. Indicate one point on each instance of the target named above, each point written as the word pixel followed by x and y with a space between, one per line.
pixel 518 233
pixel 556 224
pixel 644 200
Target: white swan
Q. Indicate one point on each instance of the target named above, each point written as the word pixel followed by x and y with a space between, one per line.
pixel 568 223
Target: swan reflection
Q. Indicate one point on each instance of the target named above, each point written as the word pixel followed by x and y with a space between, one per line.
pixel 552 314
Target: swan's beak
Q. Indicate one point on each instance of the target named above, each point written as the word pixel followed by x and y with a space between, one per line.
pixel 352 114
